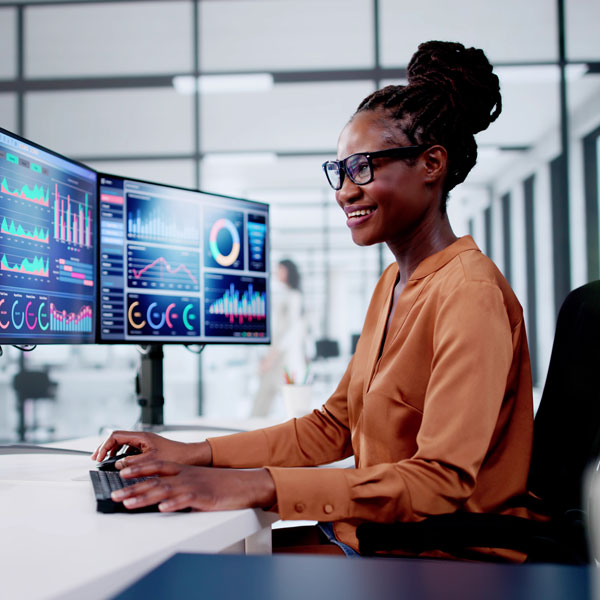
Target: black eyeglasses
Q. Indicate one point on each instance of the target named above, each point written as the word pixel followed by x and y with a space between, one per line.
pixel 359 166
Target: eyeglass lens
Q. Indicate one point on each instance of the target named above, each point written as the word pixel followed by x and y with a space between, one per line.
pixel 358 168
pixel 333 172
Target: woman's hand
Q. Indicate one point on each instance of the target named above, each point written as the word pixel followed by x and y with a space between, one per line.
pixel 153 446
pixel 181 486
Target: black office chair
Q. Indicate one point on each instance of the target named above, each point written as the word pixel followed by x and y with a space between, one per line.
pixel 566 441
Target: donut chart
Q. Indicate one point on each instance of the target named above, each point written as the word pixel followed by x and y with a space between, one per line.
pixel 225 260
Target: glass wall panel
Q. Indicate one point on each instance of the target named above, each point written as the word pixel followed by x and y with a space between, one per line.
pixel 8 48
pixel 583 95
pixel 111 122
pixel 249 174
pixel 290 117
pixel 582 39
pixel 8 110
pixel 108 39
pixel 504 30
pixel 172 172
pixel 241 35
pixel 530 106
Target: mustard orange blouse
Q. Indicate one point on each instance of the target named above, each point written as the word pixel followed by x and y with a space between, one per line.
pixel 438 416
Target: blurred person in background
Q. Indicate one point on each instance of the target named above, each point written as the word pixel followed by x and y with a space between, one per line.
pixel 285 359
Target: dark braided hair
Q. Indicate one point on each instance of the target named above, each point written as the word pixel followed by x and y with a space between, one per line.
pixel 451 95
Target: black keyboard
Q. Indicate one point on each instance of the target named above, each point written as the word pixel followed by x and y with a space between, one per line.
pixel 106 482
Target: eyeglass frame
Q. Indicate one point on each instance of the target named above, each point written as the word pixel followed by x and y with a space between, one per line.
pixel 410 151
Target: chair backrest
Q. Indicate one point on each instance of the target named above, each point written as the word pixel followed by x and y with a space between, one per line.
pixel 567 424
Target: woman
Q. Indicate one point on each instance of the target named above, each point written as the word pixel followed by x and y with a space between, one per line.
pixel 286 353
pixel 436 403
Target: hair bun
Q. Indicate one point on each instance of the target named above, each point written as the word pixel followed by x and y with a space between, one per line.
pixel 464 74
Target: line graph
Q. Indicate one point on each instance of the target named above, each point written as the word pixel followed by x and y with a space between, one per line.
pixel 159 268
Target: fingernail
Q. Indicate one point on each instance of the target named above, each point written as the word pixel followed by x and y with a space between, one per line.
pixel 166 505
pixel 118 495
pixel 126 471
pixel 130 502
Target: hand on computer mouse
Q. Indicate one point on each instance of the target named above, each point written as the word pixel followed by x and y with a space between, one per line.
pixel 154 446
pixel 110 464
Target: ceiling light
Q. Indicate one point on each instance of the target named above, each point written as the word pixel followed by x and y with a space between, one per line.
pixel 223 84
pixel 247 158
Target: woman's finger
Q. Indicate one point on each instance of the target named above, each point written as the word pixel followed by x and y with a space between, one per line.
pixel 144 467
pixel 115 441
pixel 176 502
pixel 147 493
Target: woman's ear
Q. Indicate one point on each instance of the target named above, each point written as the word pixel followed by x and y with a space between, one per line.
pixel 435 163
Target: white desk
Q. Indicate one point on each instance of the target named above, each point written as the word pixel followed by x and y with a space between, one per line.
pixel 53 543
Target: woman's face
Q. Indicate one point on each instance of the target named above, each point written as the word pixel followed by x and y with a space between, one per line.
pixel 282 273
pixel 396 202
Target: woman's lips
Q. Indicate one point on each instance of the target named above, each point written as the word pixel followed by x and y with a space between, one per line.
pixel 358 216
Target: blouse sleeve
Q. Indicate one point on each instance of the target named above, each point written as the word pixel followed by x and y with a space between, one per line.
pixel 319 438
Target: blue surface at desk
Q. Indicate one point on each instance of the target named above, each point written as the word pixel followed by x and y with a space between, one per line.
pixel 300 577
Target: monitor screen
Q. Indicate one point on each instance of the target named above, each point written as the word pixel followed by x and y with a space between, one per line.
pixel 180 265
pixel 48 254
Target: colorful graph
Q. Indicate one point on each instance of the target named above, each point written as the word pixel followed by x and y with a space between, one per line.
pixel 36 266
pixel 63 320
pixel 239 306
pixel 257 234
pixel 73 271
pixel 38 194
pixel 41 315
pixel 35 234
pixel 72 220
pixel 162 221
pixel 153 314
pixel 233 251
pixel 224 245
pixel 163 268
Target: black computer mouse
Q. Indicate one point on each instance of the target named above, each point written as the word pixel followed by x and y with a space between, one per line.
pixel 108 464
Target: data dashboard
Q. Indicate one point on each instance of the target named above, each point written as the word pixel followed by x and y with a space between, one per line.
pixel 180 265
pixel 48 260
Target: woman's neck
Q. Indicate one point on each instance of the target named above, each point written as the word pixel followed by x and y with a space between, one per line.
pixel 412 249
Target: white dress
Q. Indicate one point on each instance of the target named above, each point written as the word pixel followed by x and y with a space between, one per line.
pixel 287 351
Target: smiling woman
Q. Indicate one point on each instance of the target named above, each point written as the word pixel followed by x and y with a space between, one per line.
pixel 436 403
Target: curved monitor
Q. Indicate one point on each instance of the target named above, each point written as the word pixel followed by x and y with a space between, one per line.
pixel 48 255
pixel 180 265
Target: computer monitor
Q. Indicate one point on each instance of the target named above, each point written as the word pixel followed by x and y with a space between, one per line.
pixel 48 254
pixel 181 266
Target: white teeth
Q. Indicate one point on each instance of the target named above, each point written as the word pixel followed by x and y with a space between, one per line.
pixel 361 213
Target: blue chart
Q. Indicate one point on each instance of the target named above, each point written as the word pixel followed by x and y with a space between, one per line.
pixel 234 306
pixel 31 314
pixel 162 316
pixel 163 269
pixel 257 234
pixel 165 221
pixel 224 239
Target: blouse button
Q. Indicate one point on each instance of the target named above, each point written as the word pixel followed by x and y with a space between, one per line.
pixel 328 509
pixel 299 507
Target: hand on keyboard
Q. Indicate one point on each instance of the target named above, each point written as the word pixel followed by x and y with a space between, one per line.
pixel 174 486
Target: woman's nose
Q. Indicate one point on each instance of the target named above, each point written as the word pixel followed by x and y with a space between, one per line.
pixel 349 192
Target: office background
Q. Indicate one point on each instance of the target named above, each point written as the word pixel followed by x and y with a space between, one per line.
pixel 247 98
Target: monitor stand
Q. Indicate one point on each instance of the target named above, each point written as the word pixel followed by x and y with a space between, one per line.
pixel 149 387
pixel 150 396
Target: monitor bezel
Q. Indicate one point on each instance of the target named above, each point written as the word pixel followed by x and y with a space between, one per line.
pixel 93 337
pixel 193 342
